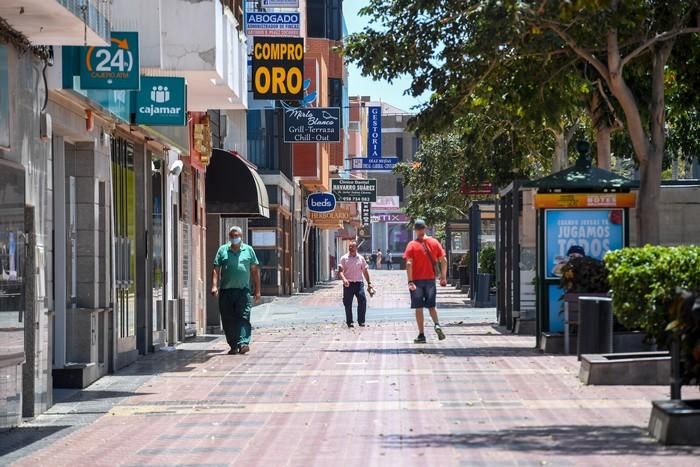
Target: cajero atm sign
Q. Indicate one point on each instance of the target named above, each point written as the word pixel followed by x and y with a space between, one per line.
pixel 278 68
pixel 113 67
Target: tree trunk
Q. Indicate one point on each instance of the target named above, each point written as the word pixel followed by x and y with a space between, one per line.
pixel 602 138
pixel 561 152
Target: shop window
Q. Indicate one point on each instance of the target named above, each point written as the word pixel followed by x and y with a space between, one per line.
pixel 12 248
pixel 335 86
pixel 399 148
pixel 398 236
pixel 316 18
pixel 4 98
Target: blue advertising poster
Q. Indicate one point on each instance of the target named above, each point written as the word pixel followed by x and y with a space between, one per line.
pixel 374 133
pixel 595 231
pixel 556 308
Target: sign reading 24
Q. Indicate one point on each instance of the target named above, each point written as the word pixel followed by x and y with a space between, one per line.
pixel 114 67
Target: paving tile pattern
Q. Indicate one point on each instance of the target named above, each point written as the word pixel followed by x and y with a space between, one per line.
pixel 319 394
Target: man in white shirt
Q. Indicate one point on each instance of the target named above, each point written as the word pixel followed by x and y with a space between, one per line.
pixel 351 269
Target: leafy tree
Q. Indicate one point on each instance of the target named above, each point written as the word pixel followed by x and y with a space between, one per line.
pixel 453 48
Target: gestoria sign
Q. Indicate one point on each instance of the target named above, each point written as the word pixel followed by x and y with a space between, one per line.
pixel 278 68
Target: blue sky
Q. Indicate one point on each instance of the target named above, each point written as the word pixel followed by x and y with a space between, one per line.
pixel 365 86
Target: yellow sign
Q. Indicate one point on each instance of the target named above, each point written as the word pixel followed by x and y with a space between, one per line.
pixel 278 68
pixel 336 216
pixel 585 200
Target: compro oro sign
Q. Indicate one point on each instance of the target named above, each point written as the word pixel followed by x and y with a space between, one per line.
pixel 161 101
pixel 272 24
pixel 114 67
pixel 354 191
pixel 320 202
pixel 278 68
pixel 312 125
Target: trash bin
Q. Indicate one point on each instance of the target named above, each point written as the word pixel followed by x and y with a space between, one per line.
pixel 595 326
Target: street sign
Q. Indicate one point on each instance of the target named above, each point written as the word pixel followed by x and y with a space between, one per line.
pixel 368 164
pixel 272 24
pixel 280 3
pixel 278 68
pixel 312 125
pixel 366 213
pixel 162 101
pixel 321 202
pixel 350 190
pixel 114 67
pixel 374 133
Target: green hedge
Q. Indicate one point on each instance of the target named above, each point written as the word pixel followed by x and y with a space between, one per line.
pixel 644 282
pixel 487 260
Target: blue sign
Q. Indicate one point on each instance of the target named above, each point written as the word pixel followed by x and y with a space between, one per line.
pixel 321 202
pixel 597 231
pixel 372 164
pixel 272 24
pixel 162 101
pixel 114 67
pixel 374 133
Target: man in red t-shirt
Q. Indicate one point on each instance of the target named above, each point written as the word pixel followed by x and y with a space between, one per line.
pixel 422 256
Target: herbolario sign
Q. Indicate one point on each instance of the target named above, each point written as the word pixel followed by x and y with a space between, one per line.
pixel 278 68
pixel 312 125
pixel 354 191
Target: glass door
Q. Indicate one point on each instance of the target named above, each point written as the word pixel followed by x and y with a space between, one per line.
pixel 124 186
pixel 158 248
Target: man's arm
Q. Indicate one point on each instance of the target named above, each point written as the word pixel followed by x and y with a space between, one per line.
pixel 409 273
pixel 443 270
pixel 255 272
pixel 215 281
pixel 341 274
pixel 365 271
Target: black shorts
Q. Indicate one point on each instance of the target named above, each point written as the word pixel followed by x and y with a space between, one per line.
pixel 425 294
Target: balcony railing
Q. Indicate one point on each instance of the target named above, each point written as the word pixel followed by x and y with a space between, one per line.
pixel 95 13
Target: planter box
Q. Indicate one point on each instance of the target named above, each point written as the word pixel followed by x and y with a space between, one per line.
pixel 627 369
pixel 676 422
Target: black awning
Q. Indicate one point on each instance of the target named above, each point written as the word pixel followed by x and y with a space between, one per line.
pixel 234 188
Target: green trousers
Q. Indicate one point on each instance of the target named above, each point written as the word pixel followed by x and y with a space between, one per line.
pixel 235 306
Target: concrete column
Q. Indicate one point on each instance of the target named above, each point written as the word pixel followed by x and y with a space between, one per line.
pixel 144 308
pixel 60 229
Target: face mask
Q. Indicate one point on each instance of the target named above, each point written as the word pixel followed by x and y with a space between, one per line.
pixel 235 241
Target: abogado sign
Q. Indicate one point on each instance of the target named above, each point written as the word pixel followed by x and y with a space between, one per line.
pixel 272 24
pixel 278 68
pixel 161 101
pixel 312 125
pixel 354 191
pixel 114 67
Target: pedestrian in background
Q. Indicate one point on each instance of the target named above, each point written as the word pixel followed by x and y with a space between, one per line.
pixel 234 264
pixel 351 270
pixel 388 259
pixel 380 257
pixel 373 260
pixel 422 256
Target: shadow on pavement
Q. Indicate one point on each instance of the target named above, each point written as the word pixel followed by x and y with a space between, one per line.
pixel 574 440
pixel 19 438
pixel 178 360
pixel 87 395
pixel 449 351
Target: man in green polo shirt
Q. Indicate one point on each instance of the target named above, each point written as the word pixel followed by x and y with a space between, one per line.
pixel 230 280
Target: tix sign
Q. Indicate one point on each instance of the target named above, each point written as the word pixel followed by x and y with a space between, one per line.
pixel 278 68
pixel 114 67
pixel 585 200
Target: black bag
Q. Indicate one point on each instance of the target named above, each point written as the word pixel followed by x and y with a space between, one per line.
pixel 430 256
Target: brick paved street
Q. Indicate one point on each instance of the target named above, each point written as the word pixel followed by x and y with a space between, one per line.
pixel 314 393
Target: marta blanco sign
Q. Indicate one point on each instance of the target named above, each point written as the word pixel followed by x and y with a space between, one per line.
pixel 312 125
pixel 354 191
pixel 273 24
pixel 161 101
